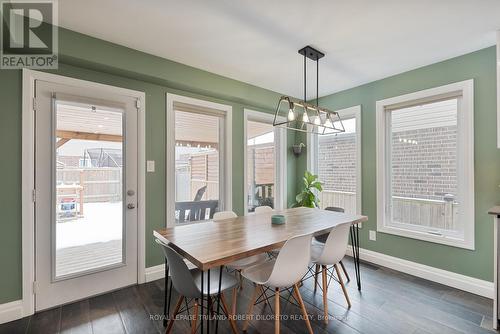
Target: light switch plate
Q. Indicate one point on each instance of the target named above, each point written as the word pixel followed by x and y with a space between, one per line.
pixel 150 166
pixel 373 235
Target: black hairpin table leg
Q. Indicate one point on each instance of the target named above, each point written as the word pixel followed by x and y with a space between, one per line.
pixel 202 302
pixel 218 301
pixel 208 301
pixel 166 310
pixel 355 252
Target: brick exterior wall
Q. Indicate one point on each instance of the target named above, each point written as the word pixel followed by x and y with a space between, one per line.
pixel 427 169
pixel 337 162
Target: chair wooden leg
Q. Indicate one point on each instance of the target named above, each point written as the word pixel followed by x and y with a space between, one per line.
pixel 325 293
pixel 345 272
pixel 234 301
pixel 277 312
pixel 343 286
pixel 250 307
pixel 195 317
pixel 316 272
pixel 176 310
pixel 303 308
pixel 229 315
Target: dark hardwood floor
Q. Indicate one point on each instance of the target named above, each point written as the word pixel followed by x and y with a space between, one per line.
pixel 390 302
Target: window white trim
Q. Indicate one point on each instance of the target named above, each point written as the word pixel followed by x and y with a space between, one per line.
pixel 28 172
pixel 465 162
pixel 226 147
pixel 498 89
pixel 280 168
pixel 312 151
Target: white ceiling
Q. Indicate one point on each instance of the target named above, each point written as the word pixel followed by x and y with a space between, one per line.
pixel 256 41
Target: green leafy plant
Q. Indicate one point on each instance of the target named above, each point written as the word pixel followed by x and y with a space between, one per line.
pixel 308 195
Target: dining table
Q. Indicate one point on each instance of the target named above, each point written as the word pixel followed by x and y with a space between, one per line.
pixel 210 245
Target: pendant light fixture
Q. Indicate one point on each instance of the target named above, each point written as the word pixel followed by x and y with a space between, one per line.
pixel 304 116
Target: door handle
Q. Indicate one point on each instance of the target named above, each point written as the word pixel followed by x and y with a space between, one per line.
pixel 130 206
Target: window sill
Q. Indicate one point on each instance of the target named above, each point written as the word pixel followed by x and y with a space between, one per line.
pixel 425 236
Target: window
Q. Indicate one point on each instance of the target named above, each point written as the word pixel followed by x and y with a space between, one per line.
pixel 425 165
pixel 336 159
pixel 198 173
pixel 265 167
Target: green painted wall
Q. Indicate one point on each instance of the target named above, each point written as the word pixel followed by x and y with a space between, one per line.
pixel 91 59
pixel 96 60
pixel 479 66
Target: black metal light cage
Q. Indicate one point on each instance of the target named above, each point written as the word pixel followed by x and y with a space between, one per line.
pixel 304 116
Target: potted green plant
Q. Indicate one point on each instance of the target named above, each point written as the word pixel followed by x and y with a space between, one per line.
pixel 308 197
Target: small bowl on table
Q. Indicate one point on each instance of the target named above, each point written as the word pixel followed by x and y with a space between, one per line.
pixel 278 219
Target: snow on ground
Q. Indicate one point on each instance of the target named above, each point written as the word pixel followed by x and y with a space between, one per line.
pixel 101 222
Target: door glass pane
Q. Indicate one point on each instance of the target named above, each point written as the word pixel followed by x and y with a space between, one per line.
pixel 197 162
pixel 261 161
pixel 423 173
pixel 89 178
pixel 337 167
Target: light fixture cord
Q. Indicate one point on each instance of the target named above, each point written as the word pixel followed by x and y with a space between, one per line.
pixel 305 81
pixel 317 82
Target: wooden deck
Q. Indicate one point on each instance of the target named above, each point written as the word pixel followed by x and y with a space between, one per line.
pixel 81 258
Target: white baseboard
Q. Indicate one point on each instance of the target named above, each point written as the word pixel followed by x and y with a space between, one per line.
pixel 458 281
pixel 154 273
pixel 11 311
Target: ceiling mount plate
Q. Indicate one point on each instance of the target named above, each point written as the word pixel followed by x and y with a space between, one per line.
pixel 311 53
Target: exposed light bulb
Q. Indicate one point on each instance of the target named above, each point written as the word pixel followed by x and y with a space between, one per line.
pixel 305 118
pixel 291 115
pixel 317 120
pixel 328 123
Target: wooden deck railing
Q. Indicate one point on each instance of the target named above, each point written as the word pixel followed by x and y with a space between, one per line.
pixel 190 211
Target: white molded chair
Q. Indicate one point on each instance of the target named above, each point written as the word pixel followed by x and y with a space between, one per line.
pixel 283 272
pixel 263 209
pixel 239 265
pixel 330 253
pixel 188 284
pixel 322 239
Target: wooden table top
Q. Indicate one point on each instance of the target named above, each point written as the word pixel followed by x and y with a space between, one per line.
pixel 211 244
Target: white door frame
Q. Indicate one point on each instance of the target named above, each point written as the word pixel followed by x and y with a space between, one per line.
pixel 28 172
pixel 280 169
pixel 227 176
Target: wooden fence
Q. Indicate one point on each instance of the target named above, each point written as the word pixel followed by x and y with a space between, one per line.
pixel 423 212
pixel 103 184
pixel 341 199
pixel 212 191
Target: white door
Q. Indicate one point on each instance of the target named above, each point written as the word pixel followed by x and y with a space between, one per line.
pixel 86 193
